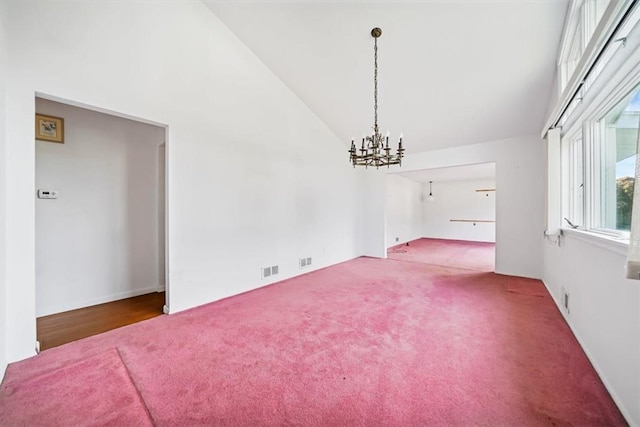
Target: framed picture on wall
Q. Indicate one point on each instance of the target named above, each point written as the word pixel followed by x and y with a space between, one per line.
pixel 49 128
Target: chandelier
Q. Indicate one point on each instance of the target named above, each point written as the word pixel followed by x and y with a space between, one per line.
pixel 375 149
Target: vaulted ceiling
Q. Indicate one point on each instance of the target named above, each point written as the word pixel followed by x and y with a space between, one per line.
pixel 451 72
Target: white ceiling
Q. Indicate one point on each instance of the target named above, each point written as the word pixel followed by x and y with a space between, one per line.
pixel 456 173
pixel 450 72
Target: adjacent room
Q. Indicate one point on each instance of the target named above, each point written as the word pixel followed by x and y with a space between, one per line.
pixel 99 223
pixel 342 213
pixel 455 203
pixel 443 216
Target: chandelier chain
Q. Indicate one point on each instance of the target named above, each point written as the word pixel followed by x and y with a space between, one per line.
pixel 375 84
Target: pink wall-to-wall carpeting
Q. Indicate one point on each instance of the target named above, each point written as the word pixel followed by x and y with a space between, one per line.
pixel 428 337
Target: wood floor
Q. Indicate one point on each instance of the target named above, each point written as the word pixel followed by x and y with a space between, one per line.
pixel 62 328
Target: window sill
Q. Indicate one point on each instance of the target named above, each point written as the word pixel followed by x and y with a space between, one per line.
pixel 614 244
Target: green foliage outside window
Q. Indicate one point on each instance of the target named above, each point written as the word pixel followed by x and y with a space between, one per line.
pixel 624 189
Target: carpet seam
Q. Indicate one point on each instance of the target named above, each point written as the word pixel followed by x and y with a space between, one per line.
pixel 135 386
pixel 440 265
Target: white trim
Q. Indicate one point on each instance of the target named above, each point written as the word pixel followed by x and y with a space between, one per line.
pixel 611 243
pixel 166 284
pixel 594 363
pixel 101 300
pixel 97 109
pixel 554 185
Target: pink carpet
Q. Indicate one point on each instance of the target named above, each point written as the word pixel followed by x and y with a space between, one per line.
pixel 96 390
pixel 451 253
pixel 365 342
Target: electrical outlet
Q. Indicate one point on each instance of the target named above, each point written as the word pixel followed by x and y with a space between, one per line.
pixel 266 272
pixel 308 260
pixel 397 239
pixel 274 269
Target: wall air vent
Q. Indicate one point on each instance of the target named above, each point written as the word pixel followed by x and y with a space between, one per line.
pixel 266 272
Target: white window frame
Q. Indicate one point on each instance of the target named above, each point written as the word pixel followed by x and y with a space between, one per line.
pixel 582 20
pixel 614 75
pixel 608 26
pixel 573 184
pixel 594 158
pixel 589 130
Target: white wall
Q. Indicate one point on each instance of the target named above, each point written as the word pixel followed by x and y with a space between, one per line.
pixel 459 200
pixel 3 157
pixel 604 311
pixel 520 171
pixel 372 219
pixel 99 240
pixel 403 210
pixel 254 177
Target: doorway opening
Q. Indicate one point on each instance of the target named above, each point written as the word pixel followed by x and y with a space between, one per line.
pixel 100 221
pixel 452 210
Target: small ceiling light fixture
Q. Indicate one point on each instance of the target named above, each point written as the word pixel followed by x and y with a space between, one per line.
pixel 430 196
pixel 375 149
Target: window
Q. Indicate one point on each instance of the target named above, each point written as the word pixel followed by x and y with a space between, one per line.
pixel 616 137
pixel 594 9
pixel 598 169
pixel 599 146
pixel 573 50
pixel 583 19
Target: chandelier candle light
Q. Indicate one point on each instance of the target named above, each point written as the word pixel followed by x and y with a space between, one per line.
pixel 375 149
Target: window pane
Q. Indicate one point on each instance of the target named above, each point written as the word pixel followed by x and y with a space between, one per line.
pixel 575 51
pixel 618 161
pixel 572 179
pixel 594 14
pixel 577 183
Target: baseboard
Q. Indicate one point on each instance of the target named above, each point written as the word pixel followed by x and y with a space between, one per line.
pixel 95 301
pixel 404 242
pixel 511 273
pixel 3 369
pixel 459 240
pixel 592 360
